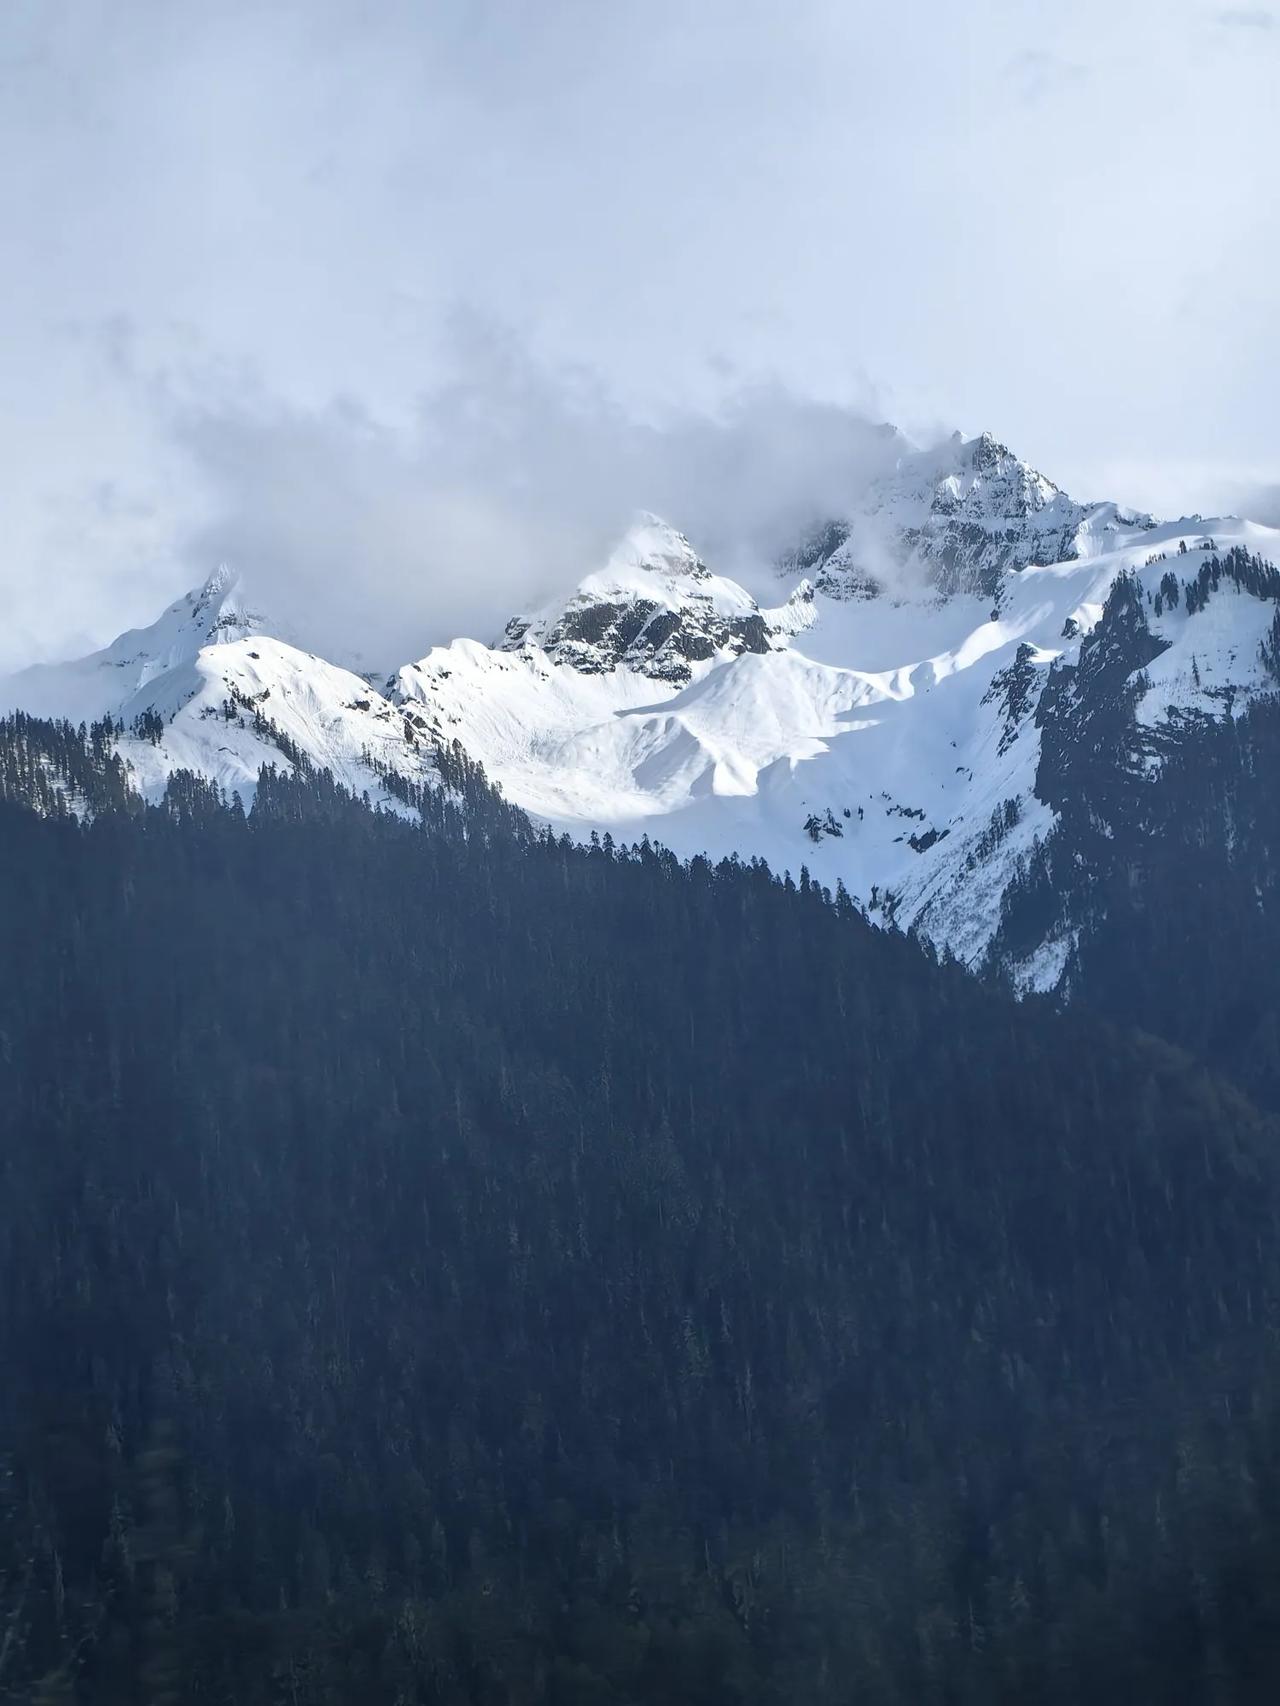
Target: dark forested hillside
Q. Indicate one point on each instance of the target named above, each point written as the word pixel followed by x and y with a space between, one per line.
pixel 58 770
pixel 1180 900
pixel 443 1265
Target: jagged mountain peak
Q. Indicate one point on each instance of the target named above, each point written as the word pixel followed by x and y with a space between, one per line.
pixel 216 612
pixel 950 518
pixel 983 465
pixel 654 607
pixel 221 604
pixel 650 559
pixel 654 546
pixel 979 479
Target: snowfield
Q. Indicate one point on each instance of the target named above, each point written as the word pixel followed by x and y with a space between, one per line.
pixel 877 724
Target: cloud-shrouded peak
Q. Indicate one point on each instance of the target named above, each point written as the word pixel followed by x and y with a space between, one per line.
pixel 980 475
pixel 507 486
pixel 217 612
pixel 655 562
pixel 949 518
pixel 654 606
pixel 653 545
pixel 990 471
pixel 222 610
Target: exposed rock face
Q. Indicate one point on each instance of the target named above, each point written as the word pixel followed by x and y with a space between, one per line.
pixel 1091 745
pixel 655 608
pixel 953 519
pixel 1014 690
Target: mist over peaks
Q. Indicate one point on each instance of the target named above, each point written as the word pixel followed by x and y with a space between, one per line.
pixel 509 483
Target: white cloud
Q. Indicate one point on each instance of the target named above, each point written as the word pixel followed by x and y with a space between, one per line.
pixel 1248 17
pixel 510 483
pixel 1016 218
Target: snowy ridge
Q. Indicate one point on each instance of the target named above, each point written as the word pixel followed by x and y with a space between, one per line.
pixel 86 689
pixel 228 698
pixel 250 702
pixel 655 608
pixel 892 741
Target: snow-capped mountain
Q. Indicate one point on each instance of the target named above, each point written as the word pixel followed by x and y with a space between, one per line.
pixel 951 519
pixel 215 614
pixel 914 741
pixel 655 608
pixel 207 688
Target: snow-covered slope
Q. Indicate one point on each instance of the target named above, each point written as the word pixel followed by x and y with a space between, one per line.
pixel 912 742
pixel 257 701
pixel 204 688
pixel 891 745
pixel 92 687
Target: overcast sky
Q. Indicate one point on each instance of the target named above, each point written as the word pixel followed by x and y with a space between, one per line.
pixel 397 303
